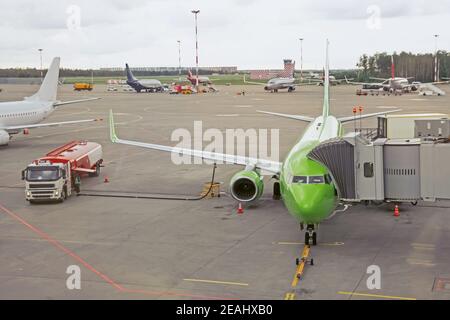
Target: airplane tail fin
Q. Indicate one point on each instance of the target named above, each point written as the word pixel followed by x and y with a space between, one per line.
pixel 49 87
pixel 130 76
pixel 326 86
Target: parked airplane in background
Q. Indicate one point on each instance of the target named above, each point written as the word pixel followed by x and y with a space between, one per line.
pixel 305 186
pixel 148 85
pixel 275 84
pixel 394 84
pixel 16 116
pixel 201 79
pixel 332 80
pixel 319 79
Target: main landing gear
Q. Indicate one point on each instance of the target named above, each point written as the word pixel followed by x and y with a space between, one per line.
pixel 310 234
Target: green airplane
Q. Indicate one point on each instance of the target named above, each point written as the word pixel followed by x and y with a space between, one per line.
pixel 305 186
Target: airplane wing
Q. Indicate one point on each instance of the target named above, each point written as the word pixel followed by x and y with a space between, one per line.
pixel 290 116
pixel 378 79
pixel 348 81
pixel 42 125
pixel 265 165
pixel 63 103
pixel 354 118
pixel 251 82
pixel 437 82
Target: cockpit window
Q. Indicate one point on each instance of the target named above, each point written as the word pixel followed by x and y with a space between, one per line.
pixel 316 179
pixel 300 179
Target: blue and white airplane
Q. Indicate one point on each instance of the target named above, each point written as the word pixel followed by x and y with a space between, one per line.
pixel 148 85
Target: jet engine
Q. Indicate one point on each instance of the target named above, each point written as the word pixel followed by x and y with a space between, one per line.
pixel 247 186
pixel 4 137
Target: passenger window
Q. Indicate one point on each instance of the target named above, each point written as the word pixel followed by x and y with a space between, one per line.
pixel 300 179
pixel 316 179
pixel 328 179
pixel 368 169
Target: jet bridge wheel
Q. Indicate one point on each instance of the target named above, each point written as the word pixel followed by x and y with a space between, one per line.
pixel 276 191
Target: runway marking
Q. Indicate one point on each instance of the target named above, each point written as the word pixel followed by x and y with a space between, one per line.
pixel 227 115
pixel 218 282
pixel 115 285
pixel 289 296
pixel 428 263
pixel 374 295
pixel 423 245
pixel 62 241
pixel 320 244
pixel 243 106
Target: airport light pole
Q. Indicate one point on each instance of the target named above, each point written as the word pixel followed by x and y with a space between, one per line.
pixel 436 69
pixel 301 59
pixel 40 55
pixel 179 59
pixel 196 12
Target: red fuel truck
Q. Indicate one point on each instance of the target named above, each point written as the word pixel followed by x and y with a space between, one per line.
pixel 58 173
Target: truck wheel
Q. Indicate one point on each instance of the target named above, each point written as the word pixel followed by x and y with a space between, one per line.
pixel 97 171
pixel 63 196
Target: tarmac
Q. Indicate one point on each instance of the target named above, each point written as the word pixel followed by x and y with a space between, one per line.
pixel 175 249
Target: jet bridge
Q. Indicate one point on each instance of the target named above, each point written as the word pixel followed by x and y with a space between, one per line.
pixel 392 170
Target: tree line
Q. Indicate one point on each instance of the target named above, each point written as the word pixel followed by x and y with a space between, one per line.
pixel 63 73
pixel 420 67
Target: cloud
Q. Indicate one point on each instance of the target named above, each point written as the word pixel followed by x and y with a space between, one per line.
pixel 246 33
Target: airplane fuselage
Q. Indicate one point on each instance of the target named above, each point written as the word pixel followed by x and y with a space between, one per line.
pixel 24 112
pixel 306 187
pixel 201 80
pixel 280 83
pixel 146 85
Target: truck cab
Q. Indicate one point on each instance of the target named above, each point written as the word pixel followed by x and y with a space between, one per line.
pixel 47 181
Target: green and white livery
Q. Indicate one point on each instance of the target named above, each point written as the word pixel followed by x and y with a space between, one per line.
pixel 305 186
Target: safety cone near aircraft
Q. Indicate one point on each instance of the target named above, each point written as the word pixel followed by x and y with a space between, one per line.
pixel 240 210
pixel 306 186
pixel 396 211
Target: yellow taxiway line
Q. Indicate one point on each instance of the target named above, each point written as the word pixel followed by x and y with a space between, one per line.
pixel 374 295
pixel 289 296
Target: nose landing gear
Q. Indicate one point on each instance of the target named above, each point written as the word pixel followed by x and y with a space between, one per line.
pixel 310 235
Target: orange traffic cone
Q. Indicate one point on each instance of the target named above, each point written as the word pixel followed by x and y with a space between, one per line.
pixel 240 210
pixel 396 211
pixel 106 179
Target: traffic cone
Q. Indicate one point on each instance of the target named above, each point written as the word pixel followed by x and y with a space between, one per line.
pixel 396 211
pixel 240 210
pixel 106 179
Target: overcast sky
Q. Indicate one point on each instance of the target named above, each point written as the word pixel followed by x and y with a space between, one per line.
pixel 243 33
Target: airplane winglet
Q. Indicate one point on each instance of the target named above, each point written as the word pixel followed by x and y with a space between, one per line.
pixel 112 130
